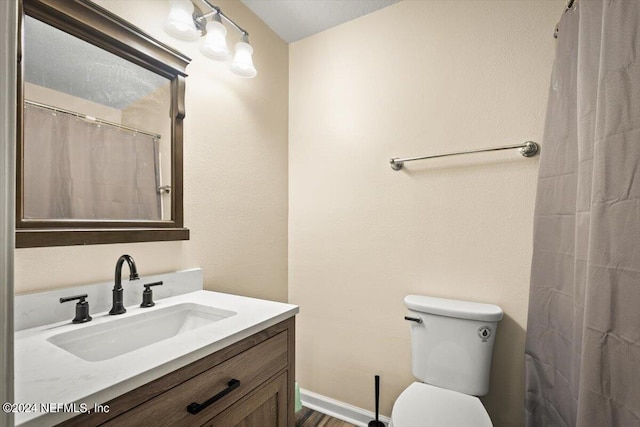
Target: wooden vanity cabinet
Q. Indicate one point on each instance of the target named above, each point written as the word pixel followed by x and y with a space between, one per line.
pixel 256 373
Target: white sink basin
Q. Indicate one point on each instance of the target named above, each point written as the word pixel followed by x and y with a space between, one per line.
pixel 115 337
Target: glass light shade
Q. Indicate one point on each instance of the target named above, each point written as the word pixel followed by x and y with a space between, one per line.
pixel 179 23
pixel 242 63
pixel 214 45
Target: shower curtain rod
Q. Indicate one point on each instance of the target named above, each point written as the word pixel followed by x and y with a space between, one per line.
pixel 527 149
pixel 91 118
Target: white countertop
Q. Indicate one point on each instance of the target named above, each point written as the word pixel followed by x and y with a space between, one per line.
pixel 45 373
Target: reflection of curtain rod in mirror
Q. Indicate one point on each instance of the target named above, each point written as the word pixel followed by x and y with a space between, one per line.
pixel 91 118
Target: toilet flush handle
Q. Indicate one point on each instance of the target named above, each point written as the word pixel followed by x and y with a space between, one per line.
pixel 413 319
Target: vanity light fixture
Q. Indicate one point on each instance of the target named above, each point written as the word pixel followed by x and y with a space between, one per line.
pixel 214 45
pixel 179 23
pixel 242 64
pixel 185 23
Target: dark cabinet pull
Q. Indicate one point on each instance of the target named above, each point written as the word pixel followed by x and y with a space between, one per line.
pixel 194 408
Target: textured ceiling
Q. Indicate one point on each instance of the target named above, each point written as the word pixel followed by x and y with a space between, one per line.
pixel 293 20
pixel 59 61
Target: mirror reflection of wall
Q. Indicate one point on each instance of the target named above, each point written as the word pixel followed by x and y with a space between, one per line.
pixel 97 132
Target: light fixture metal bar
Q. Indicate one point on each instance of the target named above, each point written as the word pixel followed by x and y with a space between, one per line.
pixel 527 149
pixel 217 10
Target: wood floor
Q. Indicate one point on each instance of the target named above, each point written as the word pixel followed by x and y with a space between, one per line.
pixel 310 418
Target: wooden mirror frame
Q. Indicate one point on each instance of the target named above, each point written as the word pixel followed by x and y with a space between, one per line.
pixel 99 27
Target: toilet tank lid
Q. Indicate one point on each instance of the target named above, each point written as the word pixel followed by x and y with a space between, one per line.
pixel 454 308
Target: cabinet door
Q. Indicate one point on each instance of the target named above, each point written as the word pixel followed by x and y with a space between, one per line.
pixel 251 368
pixel 266 407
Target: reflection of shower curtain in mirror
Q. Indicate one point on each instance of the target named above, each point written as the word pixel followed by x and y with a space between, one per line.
pixel 77 169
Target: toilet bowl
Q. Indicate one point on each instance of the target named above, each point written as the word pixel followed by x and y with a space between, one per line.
pixel 452 343
pixel 424 405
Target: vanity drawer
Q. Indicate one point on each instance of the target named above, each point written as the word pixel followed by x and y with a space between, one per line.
pixel 251 368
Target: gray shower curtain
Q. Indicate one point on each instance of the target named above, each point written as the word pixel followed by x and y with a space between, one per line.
pixel 74 169
pixel 583 333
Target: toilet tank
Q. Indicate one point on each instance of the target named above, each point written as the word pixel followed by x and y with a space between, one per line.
pixel 453 342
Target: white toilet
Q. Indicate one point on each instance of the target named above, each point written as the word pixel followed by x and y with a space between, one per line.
pixel 451 343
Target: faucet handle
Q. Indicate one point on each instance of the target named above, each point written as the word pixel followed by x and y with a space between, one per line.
pixel 82 308
pixel 147 294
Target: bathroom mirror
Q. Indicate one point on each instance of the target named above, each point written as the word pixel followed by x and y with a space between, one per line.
pixel 101 103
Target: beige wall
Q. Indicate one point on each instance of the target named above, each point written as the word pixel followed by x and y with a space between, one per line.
pixel 416 78
pixel 44 95
pixel 235 189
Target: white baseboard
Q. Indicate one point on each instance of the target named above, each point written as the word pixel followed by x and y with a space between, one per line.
pixel 336 409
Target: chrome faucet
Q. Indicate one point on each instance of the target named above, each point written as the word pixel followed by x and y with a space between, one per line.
pixel 118 306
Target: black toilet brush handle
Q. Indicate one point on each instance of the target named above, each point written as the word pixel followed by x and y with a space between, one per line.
pixel 377 423
pixel 377 397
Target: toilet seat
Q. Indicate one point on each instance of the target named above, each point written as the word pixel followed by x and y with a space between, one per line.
pixel 424 405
